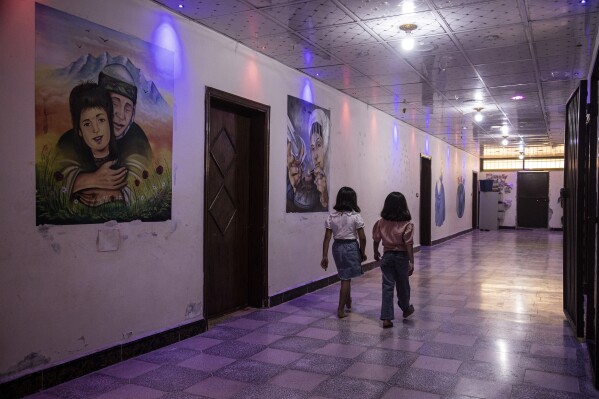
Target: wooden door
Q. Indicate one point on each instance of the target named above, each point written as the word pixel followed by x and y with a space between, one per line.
pixel 235 224
pixel 227 200
pixel 474 200
pixel 532 199
pixel 425 200
pixel 573 200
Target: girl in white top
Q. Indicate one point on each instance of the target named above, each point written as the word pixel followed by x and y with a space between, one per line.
pixel 346 226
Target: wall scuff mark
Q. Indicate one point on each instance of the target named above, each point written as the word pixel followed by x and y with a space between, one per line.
pixel 30 361
pixel 193 310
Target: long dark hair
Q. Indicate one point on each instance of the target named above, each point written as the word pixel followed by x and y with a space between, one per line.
pixel 347 200
pixel 396 208
pixel 90 95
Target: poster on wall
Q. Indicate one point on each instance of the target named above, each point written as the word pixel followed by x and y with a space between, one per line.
pixel 308 129
pixel 461 197
pixel 103 123
pixel 439 202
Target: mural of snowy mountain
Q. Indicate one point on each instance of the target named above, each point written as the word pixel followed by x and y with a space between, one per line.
pixel 88 67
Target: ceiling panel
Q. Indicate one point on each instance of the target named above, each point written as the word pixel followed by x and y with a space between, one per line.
pixel 468 54
pixel 388 28
pixel 244 25
pixel 340 35
pixel 551 9
pixel 494 37
pixel 482 15
pixel 309 15
pixel 505 68
pixel 375 9
pixel 360 52
pixel 499 54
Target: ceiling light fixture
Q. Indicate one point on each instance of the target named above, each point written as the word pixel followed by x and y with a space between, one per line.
pixel 518 97
pixel 478 116
pixel 408 42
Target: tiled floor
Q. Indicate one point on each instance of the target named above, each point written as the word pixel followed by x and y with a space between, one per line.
pixel 488 324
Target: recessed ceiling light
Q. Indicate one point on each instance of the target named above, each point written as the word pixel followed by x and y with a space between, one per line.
pixel 518 97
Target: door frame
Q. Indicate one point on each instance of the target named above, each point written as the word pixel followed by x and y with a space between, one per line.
pixel 258 208
pixel 574 200
pixel 426 190
pixel 520 207
pixel 475 189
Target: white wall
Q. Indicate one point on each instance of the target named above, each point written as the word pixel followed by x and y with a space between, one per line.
pixel 61 299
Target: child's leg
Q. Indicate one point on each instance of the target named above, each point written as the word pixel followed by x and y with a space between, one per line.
pixel 388 285
pixel 343 296
pixel 403 284
pixel 348 301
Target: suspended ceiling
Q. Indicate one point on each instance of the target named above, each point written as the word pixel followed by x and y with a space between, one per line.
pixel 469 54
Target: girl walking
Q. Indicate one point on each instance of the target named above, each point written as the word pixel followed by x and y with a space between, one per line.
pixel 396 232
pixel 346 226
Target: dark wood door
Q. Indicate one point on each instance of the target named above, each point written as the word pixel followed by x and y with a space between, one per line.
pixel 425 200
pixel 591 266
pixel 474 200
pixel 227 223
pixel 573 199
pixel 236 204
pixel 532 199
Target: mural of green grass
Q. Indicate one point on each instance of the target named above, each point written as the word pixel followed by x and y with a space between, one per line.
pixel 150 198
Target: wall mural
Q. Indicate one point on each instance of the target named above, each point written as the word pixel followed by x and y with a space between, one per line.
pixel 103 123
pixel 308 129
pixel 461 196
pixel 439 202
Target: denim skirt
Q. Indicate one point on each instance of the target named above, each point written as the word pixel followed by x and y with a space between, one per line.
pixel 346 254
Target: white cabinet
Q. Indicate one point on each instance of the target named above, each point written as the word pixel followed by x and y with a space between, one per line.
pixel 488 210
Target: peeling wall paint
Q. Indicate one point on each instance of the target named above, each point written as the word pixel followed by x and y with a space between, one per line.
pixel 30 361
pixel 193 310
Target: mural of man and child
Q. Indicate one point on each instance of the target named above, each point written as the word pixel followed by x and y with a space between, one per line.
pixel 94 160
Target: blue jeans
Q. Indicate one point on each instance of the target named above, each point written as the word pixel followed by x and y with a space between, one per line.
pixel 395 267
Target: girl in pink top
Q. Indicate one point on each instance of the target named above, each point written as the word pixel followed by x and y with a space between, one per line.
pixel 346 226
pixel 396 232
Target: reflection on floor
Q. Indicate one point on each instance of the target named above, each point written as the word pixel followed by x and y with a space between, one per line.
pixel 488 324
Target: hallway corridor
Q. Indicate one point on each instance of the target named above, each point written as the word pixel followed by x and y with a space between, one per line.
pixel 488 324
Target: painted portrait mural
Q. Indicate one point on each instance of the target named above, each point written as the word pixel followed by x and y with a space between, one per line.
pixel 308 130
pixel 461 197
pixel 439 202
pixel 103 123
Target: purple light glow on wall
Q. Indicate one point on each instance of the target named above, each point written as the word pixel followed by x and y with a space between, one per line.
pixel 307 92
pixel 166 37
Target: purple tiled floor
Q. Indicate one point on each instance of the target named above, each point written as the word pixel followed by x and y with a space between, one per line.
pixel 488 324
